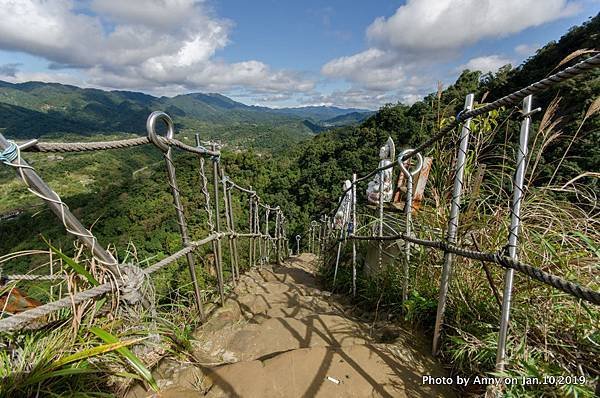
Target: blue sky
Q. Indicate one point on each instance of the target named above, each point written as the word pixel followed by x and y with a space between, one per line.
pixel 276 53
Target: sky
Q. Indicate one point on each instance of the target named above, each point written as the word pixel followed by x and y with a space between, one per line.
pixel 276 52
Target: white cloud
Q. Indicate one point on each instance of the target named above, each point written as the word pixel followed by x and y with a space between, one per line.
pixel 362 98
pixel 156 13
pixel 374 69
pixel 146 45
pixel 430 25
pixel 526 50
pixel 485 64
pixel 410 49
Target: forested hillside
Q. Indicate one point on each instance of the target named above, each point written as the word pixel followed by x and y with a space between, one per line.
pixel 325 161
pixel 35 109
pixel 308 176
pixel 124 194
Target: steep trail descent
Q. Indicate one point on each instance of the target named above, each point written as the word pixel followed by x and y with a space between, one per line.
pixel 279 335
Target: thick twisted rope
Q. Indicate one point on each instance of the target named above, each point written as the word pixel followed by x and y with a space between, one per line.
pixel 87 146
pixel 207 208
pixel 499 258
pixel 245 190
pixel 117 144
pixel 17 321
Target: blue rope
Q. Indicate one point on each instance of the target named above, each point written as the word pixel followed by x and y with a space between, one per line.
pixel 9 154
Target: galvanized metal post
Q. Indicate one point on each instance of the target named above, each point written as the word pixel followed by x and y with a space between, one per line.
pixel 251 226
pixel 260 238
pixel 236 258
pixel 284 243
pixel 255 228
pixel 408 207
pixel 267 251
pixel 151 128
pixel 297 245
pixel 452 223
pixel 228 225
pixel 278 235
pixel 327 231
pixel 219 257
pixel 513 233
pixel 380 243
pixel 353 232
pixel 320 233
pixel 408 211
pixel 337 258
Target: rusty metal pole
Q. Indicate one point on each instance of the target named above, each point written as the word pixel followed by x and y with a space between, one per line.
pixel 151 128
pixel 219 258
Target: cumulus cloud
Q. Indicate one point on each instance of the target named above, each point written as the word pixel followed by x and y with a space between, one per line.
pixel 429 25
pixel 526 49
pixel 147 44
pixel 485 64
pixel 423 36
pixel 374 69
pixel 364 98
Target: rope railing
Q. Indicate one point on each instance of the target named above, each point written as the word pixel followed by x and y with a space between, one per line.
pixel 128 278
pixel 339 226
pixel 573 289
pixel 64 147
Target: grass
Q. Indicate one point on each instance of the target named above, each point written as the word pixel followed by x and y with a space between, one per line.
pixel 551 333
pixel 97 348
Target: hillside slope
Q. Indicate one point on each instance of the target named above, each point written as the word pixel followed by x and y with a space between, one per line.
pixel 33 109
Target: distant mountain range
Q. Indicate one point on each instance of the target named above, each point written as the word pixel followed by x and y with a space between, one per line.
pixel 33 109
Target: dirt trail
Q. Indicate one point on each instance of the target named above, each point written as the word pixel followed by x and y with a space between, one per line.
pixel 279 335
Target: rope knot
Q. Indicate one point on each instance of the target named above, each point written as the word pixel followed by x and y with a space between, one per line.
pixel 134 279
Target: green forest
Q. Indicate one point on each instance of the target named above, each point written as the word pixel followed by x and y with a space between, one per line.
pixel 124 196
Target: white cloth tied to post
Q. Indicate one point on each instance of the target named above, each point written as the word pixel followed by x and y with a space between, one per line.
pixel 342 215
pixel 386 154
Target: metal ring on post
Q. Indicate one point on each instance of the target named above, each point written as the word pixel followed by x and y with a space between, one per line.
pixel 151 128
pixel 404 169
